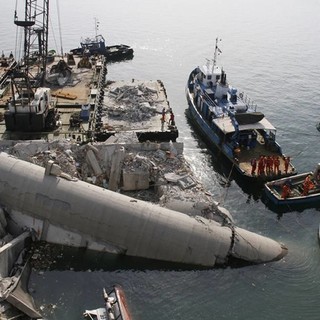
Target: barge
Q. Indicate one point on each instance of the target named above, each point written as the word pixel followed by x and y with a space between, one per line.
pixel 90 108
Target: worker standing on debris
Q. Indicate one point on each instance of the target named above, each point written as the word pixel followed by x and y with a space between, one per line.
pixel 164 112
pixel 163 118
pixel 171 120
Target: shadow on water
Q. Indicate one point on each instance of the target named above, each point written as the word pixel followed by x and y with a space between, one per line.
pixel 223 166
pixel 53 257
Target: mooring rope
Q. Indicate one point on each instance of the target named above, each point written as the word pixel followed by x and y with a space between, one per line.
pixel 224 195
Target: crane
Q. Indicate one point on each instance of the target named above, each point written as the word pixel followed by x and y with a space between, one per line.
pixel 35 26
pixel 30 109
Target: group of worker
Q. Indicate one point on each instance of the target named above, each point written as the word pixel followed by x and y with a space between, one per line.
pixel 268 165
pixel 307 185
pixel 163 118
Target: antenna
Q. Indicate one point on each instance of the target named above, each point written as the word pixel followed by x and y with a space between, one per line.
pixel 217 51
pixel 208 63
pixel 96 27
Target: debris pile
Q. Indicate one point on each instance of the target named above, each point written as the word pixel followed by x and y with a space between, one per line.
pixel 156 172
pixel 133 103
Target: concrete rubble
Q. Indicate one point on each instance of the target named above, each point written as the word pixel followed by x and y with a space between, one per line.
pixel 155 172
pixel 14 272
pixel 134 103
pixel 136 106
pixel 149 171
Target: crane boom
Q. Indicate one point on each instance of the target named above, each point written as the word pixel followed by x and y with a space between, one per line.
pixel 35 26
pixel 31 108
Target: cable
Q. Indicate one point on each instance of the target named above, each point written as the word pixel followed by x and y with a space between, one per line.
pixel 59 27
pixel 223 196
pixel 54 37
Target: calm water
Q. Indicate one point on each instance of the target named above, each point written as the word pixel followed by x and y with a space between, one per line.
pixel 271 50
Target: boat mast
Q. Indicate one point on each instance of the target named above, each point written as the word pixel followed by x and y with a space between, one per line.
pixel 217 51
pixel 96 27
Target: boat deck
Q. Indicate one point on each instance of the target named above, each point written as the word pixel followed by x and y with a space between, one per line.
pixel 254 153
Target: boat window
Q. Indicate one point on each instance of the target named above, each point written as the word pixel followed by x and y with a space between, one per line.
pixel 272 135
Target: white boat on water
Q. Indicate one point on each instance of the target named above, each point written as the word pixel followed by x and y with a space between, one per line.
pixel 115 307
pixel 294 192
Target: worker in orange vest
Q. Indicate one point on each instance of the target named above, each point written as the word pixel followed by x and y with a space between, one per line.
pixel 286 164
pixel 254 166
pixel 285 191
pixel 269 164
pixel 261 164
pixel 171 120
pixel 307 185
pixel 276 164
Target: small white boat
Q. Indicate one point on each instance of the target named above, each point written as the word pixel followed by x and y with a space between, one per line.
pixel 115 307
pixel 293 192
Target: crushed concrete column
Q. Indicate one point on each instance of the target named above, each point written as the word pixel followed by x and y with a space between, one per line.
pixel 249 246
pixel 91 158
pixel 116 169
pixel 132 227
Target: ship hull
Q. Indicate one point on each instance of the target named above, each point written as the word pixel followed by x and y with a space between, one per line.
pixel 224 137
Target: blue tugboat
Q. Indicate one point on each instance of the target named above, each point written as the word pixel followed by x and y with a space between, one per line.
pixel 229 121
pixel 97 46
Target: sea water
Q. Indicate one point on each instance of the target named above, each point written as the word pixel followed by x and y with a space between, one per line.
pixel 271 51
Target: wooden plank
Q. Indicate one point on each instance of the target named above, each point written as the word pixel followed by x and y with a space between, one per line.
pixel 64 95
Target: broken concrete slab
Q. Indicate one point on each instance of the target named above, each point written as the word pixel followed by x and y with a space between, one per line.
pixel 135 180
pixel 91 158
pixel 116 168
